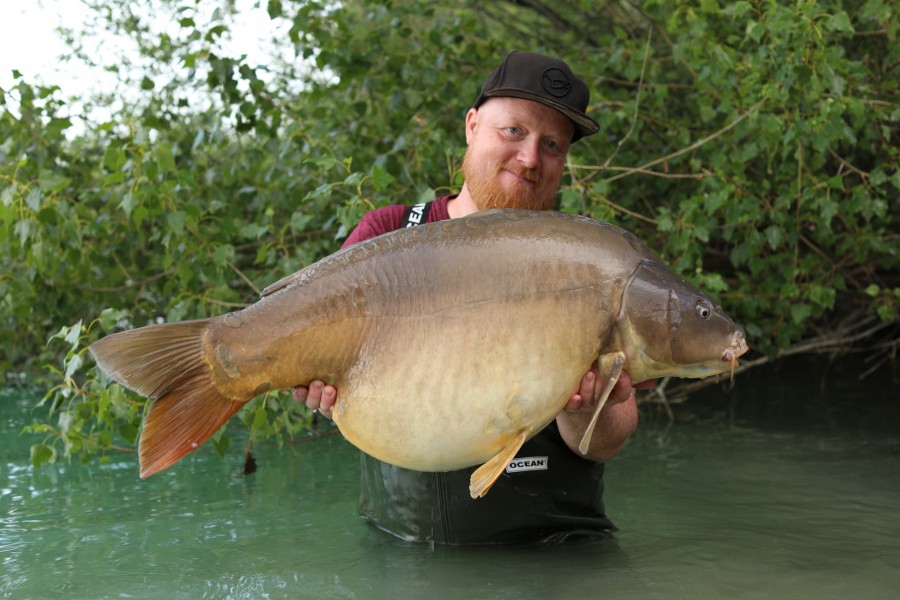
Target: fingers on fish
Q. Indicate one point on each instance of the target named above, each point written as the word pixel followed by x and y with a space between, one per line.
pixel 165 363
pixel 610 366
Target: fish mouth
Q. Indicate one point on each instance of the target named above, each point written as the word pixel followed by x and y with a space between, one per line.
pixel 738 348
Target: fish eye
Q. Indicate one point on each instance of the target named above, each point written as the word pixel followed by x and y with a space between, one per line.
pixel 703 311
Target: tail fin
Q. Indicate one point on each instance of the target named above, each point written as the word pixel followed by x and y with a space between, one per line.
pixel 165 363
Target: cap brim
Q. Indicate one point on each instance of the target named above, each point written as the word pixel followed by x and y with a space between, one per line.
pixel 584 125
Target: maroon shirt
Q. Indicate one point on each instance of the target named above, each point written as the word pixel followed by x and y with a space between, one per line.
pixel 389 218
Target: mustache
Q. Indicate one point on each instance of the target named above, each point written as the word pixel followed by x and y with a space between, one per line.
pixel 525 173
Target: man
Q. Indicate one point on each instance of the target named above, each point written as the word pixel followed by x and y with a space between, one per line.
pixel 531 109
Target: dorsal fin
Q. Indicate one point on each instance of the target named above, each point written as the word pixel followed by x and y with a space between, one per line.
pixel 281 284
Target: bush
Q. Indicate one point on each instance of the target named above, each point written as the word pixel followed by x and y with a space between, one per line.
pixel 750 144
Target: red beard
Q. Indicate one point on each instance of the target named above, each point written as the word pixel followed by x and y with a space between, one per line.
pixel 487 192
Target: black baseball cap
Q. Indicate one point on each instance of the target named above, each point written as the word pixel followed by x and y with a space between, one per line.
pixel 543 79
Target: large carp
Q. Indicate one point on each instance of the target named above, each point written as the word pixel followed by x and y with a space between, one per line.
pixel 450 343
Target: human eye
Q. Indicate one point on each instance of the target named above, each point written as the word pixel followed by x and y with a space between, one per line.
pixel 554 146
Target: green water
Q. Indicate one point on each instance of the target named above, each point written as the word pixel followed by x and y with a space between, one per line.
pixel 788 486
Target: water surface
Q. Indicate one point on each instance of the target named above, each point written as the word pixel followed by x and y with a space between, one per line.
pixel 786 486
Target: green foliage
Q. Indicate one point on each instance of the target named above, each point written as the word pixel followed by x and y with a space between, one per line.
pixel 753 144
pixel 90 418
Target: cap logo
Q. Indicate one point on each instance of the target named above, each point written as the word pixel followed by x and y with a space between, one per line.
pixel 555 82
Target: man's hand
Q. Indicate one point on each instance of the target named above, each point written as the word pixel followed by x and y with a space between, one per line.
pixel 318 397
pixel 591 388
pixel 617 421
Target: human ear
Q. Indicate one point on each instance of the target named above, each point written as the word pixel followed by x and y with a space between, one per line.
pixel 471 124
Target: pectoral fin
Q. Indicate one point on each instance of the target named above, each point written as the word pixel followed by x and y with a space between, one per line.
pixel 610 366
pixel 485 475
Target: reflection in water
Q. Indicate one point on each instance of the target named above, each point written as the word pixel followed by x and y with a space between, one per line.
pixel 779 488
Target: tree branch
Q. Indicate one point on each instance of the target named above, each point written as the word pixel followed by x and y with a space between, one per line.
pixel 693 146
pixel 637 102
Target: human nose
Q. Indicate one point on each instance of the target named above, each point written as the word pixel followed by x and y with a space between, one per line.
pixel 529 154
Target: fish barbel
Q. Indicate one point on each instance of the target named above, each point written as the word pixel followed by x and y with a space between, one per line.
pixel 450 343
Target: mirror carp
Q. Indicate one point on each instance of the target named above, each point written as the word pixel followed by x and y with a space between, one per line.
pixel 450 343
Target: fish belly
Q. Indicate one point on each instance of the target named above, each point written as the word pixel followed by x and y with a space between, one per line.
pixel 448 390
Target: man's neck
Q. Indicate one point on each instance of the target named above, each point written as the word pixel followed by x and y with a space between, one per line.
pixel 462 205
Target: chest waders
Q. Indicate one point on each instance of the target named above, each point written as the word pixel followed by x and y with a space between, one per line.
pixel 546 494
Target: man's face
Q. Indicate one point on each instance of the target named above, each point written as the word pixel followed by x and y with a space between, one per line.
pixel 517 151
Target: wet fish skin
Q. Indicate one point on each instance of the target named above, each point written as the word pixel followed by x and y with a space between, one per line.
pixel 451 343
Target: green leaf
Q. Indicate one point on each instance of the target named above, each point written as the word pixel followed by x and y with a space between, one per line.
pixel 114 158
pixel 9 193
pixel 33 199
pixel 127 203
pixel 38 428
pixel 774 236
pixel 886 312
pixel 24 231
pixel 822 296
pixel 252 231
pixel 260 417
pixel 381 178
pixel 839 21
pixel 800 312
pixel 737 9
pixel 223 254
pixel 73 333
pixel 73 364
pixel 215 32
pixel 165 158
pixel 128 432
pixel 354 178
pixel 300 221
pixel 835 82
pixel 50 181
pixel 110 317
pixel 426 195
pixel 41 454
pixel 176 221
